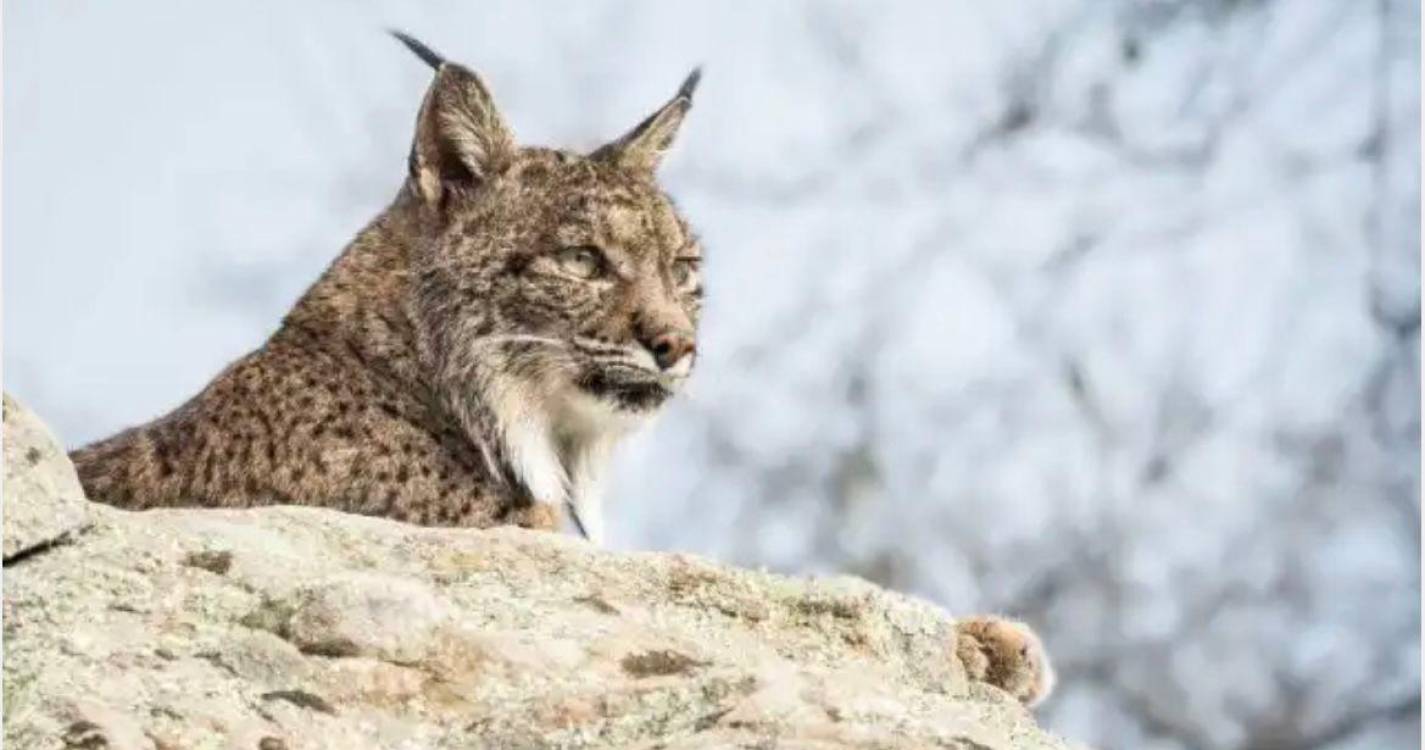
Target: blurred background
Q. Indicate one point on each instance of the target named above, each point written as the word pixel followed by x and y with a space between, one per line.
pixel 1102 314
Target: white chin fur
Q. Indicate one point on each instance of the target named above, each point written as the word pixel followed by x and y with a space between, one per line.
pixel 680 370
pixel 558 438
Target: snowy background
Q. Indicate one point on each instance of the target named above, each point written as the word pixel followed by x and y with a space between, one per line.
pixel 1104 314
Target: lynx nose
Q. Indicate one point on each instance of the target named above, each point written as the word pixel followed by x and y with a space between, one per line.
pixel 670 347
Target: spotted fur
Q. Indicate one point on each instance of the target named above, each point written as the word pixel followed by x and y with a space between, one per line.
pixel 470 358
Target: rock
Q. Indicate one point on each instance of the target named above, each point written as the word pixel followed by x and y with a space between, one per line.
pixel 37 469
pixel 307 628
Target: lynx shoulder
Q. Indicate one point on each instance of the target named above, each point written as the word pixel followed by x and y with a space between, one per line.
pixel 470 358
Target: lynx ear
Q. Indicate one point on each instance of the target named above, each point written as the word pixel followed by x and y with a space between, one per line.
pixel 643 147
pixel 461 139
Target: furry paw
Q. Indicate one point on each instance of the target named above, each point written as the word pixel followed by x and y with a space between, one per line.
pixel 1006 654
pixel 538 516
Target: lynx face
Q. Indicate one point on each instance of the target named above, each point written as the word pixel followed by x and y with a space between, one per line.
pixel 563 273
pixel 589 272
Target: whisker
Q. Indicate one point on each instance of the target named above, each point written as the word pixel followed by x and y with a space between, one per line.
pixel 522 338
pixel 630 364
pixel 594 345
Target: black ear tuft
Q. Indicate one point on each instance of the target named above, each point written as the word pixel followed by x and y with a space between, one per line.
pixel 643 148
pixel 690 84
pixel 430 56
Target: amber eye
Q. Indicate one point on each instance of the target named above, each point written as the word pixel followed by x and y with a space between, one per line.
pixel 685 272
pixel 584 261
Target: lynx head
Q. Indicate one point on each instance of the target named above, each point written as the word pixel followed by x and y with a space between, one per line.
pixel 567 272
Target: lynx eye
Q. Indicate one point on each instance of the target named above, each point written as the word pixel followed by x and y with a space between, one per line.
pixel 685 272
pixel 584 262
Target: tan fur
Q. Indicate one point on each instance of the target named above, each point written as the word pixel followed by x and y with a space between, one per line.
pixel 460 363
pixel 1006 654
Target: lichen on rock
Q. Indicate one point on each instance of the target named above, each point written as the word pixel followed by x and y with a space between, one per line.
pixel 37 470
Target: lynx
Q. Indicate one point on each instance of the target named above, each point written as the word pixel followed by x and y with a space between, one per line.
pixel 474 354
pixel 471 357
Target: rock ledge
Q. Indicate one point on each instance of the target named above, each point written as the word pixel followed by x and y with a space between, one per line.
pixel 306 628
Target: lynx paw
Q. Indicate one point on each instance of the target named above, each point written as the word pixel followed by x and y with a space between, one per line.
pixel 1006 654
pixel 537 516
